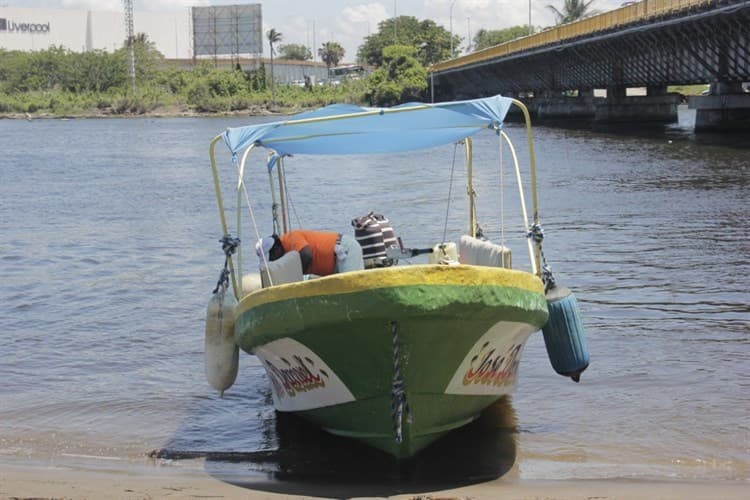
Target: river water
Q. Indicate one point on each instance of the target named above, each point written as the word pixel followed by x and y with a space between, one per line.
pixel 109 253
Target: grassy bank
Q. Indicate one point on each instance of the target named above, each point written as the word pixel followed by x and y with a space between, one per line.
pixel 158 101
pixel 60 83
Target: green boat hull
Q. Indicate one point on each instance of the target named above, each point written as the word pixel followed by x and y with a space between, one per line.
pixel 394 357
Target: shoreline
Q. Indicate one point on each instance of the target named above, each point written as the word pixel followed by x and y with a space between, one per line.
pixel 87 478
pixel 161 112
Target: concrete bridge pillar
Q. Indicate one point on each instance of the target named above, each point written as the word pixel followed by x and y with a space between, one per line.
pixel 558 106
pixel 654 90
pixel 725 109
pixel 657 106
pixel 616 92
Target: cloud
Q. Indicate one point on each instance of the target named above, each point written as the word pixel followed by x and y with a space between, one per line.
pixel 352 20
pixel 109 5
pixel 296 29
pixel 498 14
pixel 117 5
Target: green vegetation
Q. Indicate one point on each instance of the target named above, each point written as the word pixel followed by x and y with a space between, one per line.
pixel 60 82
pixel 688 89
pixel 488 38
pixel 331 53
pixel 573 10
pixel 295 51
pixel 400 79
pixel 273 37
pixel 432 42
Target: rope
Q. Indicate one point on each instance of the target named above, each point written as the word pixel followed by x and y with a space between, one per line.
pixel 229 245
pixel 252 217
pixel 450 190
pixel 537 234
pixel 275 215
pixel 399 404
pixel 291 202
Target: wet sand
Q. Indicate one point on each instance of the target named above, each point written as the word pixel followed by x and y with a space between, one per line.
pixel 189 480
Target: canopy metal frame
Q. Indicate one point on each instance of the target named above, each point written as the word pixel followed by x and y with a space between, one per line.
pixel 282 220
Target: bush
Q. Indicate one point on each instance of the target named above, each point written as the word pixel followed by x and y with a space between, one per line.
pixel 65 83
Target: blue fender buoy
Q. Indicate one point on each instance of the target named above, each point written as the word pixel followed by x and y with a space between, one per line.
pixel 563 334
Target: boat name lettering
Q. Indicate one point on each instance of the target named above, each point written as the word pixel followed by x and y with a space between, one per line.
pixel 492 368
pixel 295 377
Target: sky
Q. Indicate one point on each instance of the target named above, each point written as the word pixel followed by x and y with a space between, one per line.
pixel 313 22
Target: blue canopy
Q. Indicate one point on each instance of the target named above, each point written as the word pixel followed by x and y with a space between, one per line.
pixel 350 129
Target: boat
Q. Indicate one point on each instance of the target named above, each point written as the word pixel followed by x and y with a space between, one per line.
pixel 395 354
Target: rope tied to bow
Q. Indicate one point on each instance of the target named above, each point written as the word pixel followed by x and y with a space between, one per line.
pixel 537 234
pixel 399 403
pixel 229 246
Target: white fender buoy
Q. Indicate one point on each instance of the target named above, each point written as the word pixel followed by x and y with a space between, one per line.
pixel 221 352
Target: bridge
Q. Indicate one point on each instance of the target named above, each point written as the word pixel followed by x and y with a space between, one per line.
pixel 562 72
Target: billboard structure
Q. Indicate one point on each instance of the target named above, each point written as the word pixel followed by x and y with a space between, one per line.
pixel 228 30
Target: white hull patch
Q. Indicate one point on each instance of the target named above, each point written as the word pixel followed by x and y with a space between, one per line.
pixel 491 366
pixel 300 380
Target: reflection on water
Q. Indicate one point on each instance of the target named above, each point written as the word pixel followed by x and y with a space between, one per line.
pixel 298 458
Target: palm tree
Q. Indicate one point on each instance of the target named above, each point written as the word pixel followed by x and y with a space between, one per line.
pixel 331 53
pixel 273 37
pixel 573 10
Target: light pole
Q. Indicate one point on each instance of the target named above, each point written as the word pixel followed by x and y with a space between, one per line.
pixel 468 34
pixel 395 22
pixel 529 17
pixel 450 11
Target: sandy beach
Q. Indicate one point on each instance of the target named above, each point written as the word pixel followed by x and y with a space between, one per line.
pixel 19 480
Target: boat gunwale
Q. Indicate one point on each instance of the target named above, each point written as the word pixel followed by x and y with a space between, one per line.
pixel 393 277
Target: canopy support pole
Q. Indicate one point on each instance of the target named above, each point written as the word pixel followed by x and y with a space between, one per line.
pixel 274 205
pixel 522 199
pixel 240 187
pixel 470 188
pixel 532 167
pixel 219 200
pixel 282 194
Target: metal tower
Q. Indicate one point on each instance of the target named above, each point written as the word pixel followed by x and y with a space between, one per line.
pixel 131 39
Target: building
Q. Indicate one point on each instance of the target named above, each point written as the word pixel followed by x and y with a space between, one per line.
pixel 80 30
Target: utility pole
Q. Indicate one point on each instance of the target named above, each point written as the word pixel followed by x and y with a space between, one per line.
pixel 530 31
pixel 131 39
pixel 450 13
pixel 395 22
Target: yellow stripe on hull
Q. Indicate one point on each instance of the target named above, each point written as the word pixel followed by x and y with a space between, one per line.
pixel 390 277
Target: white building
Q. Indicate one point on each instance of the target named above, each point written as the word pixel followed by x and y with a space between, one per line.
pixel 79 30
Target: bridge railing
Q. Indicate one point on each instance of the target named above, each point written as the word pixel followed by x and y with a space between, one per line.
pixel 628 14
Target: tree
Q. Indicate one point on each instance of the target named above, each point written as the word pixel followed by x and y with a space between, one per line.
pixel 401 77
pixel 432 43
pixel 273 37
pixel 46 69
pixel 97 71
pixel 573 10
pixel 58 69
pixel 331 53
pixel 488 38
pixel 295 51
pixel 148 59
